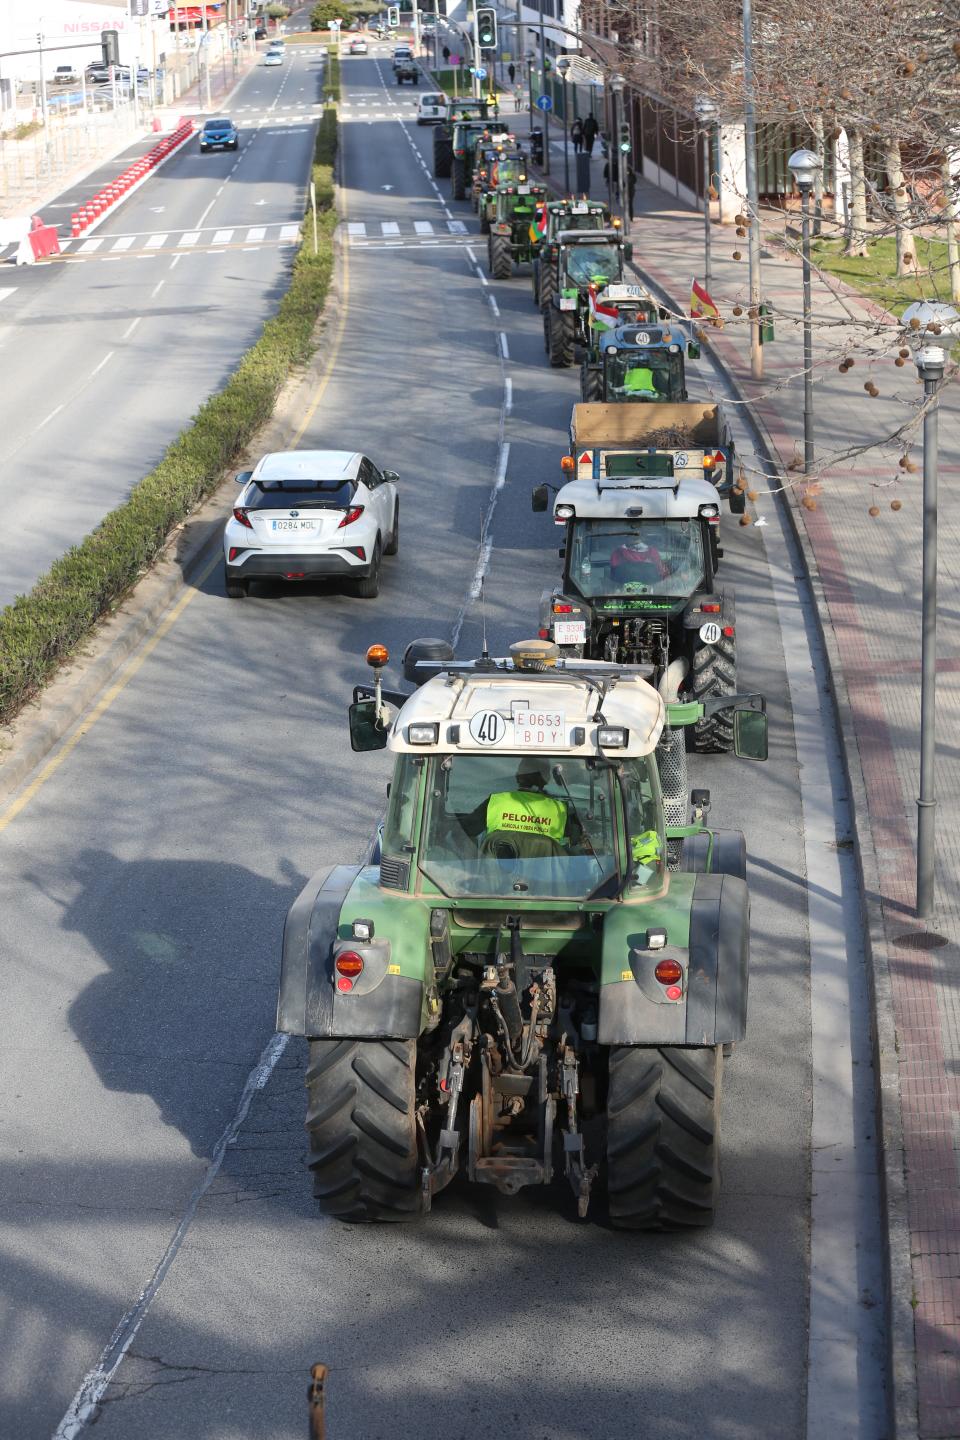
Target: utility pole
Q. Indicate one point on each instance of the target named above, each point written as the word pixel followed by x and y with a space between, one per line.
pixel 543 91
pixel 753 193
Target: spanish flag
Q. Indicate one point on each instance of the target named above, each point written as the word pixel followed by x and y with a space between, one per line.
pixel 701 305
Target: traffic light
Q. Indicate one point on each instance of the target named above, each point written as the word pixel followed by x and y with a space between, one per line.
pixel 110 45
pixel 393 17
pixel 625 145
pixel 486 28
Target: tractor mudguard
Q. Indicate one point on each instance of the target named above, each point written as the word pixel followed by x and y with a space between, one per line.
pixel 715 961
pixel 727 856
pixel 385 1006
pixel 693 616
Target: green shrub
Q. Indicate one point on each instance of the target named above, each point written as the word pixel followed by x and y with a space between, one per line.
pixel 42 628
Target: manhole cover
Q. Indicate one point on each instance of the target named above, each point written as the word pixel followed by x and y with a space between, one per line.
pixel 920 940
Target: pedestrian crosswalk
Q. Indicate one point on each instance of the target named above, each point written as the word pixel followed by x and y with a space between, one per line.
pixel 105 247
pixel 391 232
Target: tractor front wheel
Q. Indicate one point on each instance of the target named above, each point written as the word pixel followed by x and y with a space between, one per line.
pixel 500 256
pixel 546 285
pixel 361 1120
pixel 591 384
pixel 442 156
pixel 559 332
pixel 663 1136
pixel 713 673
pixel 459 178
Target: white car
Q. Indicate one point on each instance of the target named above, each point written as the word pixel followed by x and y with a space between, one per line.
pixel 273 57
pixel 431 108
pixel 309 514
pixel 358 47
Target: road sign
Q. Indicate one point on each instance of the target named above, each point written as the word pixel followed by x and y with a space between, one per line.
pixel 544 103
pixel 454 59
pixel 480 73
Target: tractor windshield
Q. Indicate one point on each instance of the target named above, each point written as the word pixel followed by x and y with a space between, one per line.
pixel 600 263
pixel 537 826
pixel 644 375
pixel 564 220
pixel 636 557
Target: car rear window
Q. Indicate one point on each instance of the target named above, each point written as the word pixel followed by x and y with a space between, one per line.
pixel 310 494
pixel 217 125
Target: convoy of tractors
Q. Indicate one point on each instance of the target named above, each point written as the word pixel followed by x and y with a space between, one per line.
pixel 541 965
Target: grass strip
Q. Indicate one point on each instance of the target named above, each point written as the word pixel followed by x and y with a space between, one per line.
pixel 41 629
pixel 874 274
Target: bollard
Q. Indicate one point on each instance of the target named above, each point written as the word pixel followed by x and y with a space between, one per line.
pixel 75 226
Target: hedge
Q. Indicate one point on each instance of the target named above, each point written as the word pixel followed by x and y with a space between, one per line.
pixel 41 629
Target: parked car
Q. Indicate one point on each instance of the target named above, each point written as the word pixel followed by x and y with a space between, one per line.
pixel 219 134
pixel 358 47
pixel 273 57
pixel 308 514
pixel 65 75
pixel 431 108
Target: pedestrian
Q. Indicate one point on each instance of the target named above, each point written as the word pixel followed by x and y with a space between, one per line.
pixel 576 135
pixel 631 187
pixel 518 98
pixel 512 72
pixel 590 130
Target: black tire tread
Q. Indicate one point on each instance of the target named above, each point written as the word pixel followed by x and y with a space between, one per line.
pixel 458 178
pixel 559 335
pixel 714 672
pixel 393 544
pixel 362 1126
pixel 442 156
pixel 591 382
pixel 501 257
pixel 663 1136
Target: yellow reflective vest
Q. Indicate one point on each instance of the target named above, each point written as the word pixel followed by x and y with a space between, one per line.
pixel 527 811
pixel 646 847
pixel 640 378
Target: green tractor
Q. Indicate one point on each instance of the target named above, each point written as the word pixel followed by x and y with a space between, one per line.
pixel 513 235
pixel 469 138
pixel 498 167
pixel 556 216
pixel 586 259
pixel 477 110
pixel 512 984
pixel 638 360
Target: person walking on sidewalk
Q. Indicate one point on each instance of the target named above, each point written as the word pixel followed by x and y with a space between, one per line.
pixel 576 135
pixel 518 98
pixel 590 131
pixel 512 72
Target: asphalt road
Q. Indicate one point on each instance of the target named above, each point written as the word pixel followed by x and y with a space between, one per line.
pixel 142 895
pixel 107 353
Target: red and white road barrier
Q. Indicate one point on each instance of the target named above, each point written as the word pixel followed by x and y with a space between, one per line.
pixel 40 242
pixel 88 216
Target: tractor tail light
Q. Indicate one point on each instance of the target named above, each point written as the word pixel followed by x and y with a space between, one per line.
pixel 669 972
pixel 567 463
pixel 352 514
pixel 349 967
pixel 240 514
pixel 728 631
pixel 711 609
pixel 563 609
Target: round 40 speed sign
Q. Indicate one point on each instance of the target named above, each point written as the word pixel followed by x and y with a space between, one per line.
pixel 488 728
pixel 710 632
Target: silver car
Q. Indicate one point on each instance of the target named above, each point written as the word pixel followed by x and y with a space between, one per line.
pixel 312 514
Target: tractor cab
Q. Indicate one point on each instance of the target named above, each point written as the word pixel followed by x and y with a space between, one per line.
pixel 513 234
pixel 591 257
pixel 558 216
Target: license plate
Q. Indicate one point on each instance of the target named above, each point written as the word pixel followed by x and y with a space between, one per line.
pixel 570 632
pixel 523 189
pixel 544 729
pixel 298 527
pixel 580 210
pixel 567 304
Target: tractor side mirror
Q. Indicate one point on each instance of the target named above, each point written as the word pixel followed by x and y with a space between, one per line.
pixel 366 731
pixel 750 734
pixel 243 476
pixel 628 249
pixel 693 350
pixel 663 313
pixel 562 552
pixel 538 499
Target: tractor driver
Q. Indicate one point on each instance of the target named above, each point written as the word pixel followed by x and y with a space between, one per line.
pixel 637 561
pixel 641 380
pixel 529 810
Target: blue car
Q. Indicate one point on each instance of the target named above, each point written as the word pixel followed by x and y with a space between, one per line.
pixel 219 135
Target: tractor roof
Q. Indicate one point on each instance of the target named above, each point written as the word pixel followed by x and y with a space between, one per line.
pixel 550 711
pixel 590 237
pixel 637 497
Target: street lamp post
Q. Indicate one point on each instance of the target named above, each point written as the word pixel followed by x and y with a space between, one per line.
pixel 563 65
pixel 930 361
pixel 706 112
pixel 805 167
pixel 753 192
pixel 616 159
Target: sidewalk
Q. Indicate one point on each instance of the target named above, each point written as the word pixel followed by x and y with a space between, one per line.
pixel 866 573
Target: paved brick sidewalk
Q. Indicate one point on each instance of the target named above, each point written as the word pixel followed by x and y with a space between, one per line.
pixel 866 573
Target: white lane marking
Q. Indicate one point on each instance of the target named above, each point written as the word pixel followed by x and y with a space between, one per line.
pixel 356 227
pixel 90 245
pixel 206 212
pixel 83 1406
pixel 190 238
pixel 389 227
pixel 494 306
pixel 157 288
pixel 124 242
pixel 97 368
pixel 7 291
pixel 154 242
pixel 222 237
pixel 456 227
pixel 220 191
pixel 47 418
pixel 173 262
pixel 131 327
pixel 504 350
pixel 449 214
pixel 289 232
pixel 256 232
pixel 423 227
pixel 501 476
pixel 508 396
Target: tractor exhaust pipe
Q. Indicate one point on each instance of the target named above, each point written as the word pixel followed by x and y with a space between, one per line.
pixel 672 678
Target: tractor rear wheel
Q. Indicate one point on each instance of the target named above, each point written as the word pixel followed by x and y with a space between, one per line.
pixel 459 178
pixel 663 1136
pixel 591 384
pixel 559 334
pixel 546 285
pixel 714 672
pixel 442 155
pixel 361 1120
pixel 500 257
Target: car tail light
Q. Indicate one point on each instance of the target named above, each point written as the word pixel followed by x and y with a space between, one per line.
pixel 352 514
pixel 669 972
pixel 242 515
